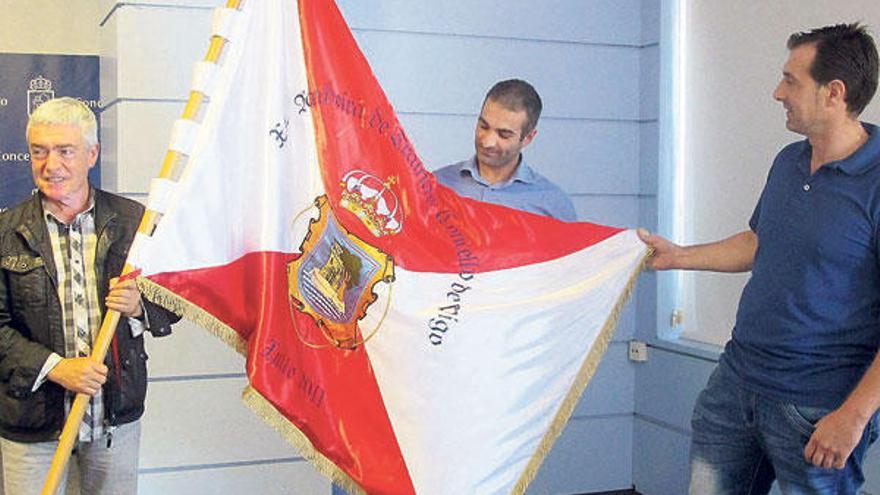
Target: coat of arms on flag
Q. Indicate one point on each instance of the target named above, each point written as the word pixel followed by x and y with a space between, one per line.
pixel 405 339
pixel 333 280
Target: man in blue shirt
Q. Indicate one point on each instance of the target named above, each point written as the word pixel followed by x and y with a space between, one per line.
pixel 498 173
pixel 796 391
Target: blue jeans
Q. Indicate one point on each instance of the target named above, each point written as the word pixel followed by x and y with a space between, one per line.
pixel 743 441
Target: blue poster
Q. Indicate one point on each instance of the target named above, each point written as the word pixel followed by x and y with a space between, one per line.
pixel 26 81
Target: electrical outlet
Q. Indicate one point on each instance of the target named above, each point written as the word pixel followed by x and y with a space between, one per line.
pixel 638 351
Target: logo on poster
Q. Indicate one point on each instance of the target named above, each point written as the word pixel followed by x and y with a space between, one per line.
pixel 39 92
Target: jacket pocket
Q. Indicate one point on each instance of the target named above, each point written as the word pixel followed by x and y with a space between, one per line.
pixel 28 281
pixel 23 410
pixel 133 380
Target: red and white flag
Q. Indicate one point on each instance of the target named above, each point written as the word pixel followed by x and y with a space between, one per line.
pixel 405 339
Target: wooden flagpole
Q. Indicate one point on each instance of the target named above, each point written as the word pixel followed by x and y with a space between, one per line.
pixel 111 317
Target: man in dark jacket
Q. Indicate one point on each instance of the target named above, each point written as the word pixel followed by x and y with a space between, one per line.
pixel 60 252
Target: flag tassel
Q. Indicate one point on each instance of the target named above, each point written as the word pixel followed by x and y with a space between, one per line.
pixel 185 309
pixel 267 412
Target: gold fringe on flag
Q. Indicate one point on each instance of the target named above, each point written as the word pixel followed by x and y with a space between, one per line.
pixel 588 368
pixel 250 396
pixel 267 412
pixel 186 309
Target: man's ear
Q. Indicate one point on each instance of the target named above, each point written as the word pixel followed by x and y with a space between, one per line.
pixel 836 93
pixel 93 152
pixel 528 137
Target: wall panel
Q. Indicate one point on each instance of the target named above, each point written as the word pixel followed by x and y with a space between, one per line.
pixel 660 459
pixel 610 392
pixel 191 351
pixel 154 50
pixel 582 156
pixel 587 22
pixel 197 422
pixel 591 456
pixel 60 27
pixel 277 478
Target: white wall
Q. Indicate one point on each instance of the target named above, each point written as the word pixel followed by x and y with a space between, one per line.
pixel 435 61
pixel 61 27
pixel 734 128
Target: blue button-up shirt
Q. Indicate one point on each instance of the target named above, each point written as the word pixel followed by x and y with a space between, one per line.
pixel 526 190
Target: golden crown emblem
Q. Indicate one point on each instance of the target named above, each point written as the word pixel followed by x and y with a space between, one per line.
pixel 40 83
pixel 372 201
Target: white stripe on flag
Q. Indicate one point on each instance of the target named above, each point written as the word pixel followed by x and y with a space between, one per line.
pixel 482 400
pixel 244 185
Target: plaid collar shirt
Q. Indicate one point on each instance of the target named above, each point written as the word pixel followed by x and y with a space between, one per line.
pixel 79 301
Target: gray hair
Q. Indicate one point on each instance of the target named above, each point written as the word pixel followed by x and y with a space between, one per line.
pixel 66 111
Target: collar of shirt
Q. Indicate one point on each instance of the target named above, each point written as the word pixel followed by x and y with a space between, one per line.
pixel 523 173
pixel 862 160
pixel 89 211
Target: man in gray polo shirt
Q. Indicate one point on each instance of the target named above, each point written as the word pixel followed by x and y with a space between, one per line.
pixel 498 173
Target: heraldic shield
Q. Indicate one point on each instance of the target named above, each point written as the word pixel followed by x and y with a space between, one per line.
pixel 333 281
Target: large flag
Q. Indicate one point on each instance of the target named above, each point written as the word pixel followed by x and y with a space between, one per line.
pixel 405 339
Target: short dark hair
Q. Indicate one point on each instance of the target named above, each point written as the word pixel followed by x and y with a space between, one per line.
pixel 518 95
pixel 845 52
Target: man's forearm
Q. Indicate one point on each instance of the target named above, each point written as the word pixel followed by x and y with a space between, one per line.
pixel 864 400
pixel 733 254
pixel 838 433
